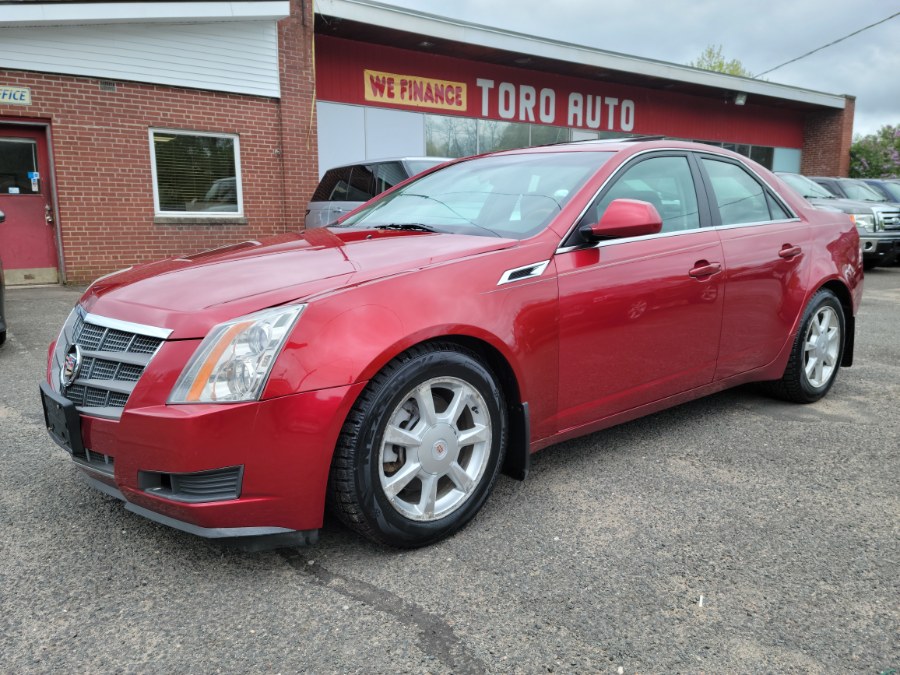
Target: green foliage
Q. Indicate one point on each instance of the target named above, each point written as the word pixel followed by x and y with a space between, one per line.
pixel 712 59
pixel 876 155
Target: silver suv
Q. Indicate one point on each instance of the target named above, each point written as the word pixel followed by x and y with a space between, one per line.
pixel 343 188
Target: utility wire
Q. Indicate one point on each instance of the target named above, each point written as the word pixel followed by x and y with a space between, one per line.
pixel 818 49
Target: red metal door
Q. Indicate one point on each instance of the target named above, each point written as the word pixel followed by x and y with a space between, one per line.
pixel 28 237
pixel 639 321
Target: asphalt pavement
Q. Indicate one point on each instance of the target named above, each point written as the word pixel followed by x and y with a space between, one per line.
pixel 731 534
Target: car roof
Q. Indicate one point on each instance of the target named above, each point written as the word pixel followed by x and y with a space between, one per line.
pixel 367 162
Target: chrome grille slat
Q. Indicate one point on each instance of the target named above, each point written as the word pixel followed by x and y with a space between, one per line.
pixel 114 355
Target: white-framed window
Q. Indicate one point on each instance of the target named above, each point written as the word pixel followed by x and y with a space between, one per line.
pixel 196 173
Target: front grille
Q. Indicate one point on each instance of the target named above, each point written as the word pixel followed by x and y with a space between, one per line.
pixel 203 486
pixel 114 355
pixel 97 461
pixel 891 220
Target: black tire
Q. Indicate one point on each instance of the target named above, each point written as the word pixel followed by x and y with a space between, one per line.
pixel 797 384
pixel 2 337
pixel 870 264
pixel 366 466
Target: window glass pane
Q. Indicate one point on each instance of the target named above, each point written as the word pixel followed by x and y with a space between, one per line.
pixel 17 159
pixel 490 196
pixel 494 135
pixel 362 184
pixel 333 186
pixel 195 173
pixel 776 210
pixel 387 175
pixel 763 155
pixel 740 198
pixel 665 182
pixel 860 191
pixel 447 136
pixel 893 189
pixel 545 135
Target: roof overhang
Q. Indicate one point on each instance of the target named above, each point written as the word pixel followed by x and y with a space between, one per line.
pixel 369 21
pixel 63 13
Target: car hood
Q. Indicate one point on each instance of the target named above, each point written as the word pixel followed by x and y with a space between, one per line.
pixel 843 205
pixel 191 294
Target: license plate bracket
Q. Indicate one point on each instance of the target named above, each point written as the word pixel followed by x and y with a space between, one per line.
pixel 62 420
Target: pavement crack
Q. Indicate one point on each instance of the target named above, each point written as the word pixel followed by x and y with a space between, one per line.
pixel 435 637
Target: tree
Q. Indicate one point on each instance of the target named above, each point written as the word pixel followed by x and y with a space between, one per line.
pixel 712 59
pixel 876 155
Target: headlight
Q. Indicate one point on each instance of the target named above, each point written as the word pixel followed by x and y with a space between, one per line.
pixel 865 221
pixel 234 361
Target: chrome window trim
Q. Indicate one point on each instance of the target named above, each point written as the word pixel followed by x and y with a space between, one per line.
pixel 611 242
pixel 128 326
pixel 537 269
pixel 757 223
pixel 646 237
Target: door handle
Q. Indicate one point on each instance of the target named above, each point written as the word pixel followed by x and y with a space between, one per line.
pixel 787 251
pixel 705 269
pixel 48 216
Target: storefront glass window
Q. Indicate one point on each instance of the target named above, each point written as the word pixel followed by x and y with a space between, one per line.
pixel 447 136
pixel 544 135
pixel 196 173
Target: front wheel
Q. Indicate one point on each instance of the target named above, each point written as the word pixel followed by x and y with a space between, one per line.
pixel 817 351
pixel 421 448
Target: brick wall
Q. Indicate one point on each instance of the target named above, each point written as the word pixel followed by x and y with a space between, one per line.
pixel 827 137
pixel 101 154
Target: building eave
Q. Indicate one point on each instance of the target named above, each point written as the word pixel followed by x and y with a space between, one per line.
pixel 452 30
pixel 55 13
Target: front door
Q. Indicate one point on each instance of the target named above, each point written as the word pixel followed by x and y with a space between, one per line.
pixel 640 318
pixel 27 238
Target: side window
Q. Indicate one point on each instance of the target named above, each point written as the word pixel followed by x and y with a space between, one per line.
pixel 776 209
pixel 362 184
pixel 387 175
pixel 665 182
pixel 740 198
pixel 333 186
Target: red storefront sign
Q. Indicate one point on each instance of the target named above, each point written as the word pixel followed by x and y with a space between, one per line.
pixel 365 74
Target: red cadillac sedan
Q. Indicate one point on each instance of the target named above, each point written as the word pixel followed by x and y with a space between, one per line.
pixel 393 365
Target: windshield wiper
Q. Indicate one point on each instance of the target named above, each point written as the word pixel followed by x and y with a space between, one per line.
pixel 418 227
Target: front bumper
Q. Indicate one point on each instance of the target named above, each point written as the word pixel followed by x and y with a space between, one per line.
pixel 281 449
pixel 882 249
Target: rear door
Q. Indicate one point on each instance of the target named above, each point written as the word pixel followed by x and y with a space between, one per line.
pixel 767 254
pixel 28 237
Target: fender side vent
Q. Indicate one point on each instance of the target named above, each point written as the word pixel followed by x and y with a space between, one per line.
pixel 527 272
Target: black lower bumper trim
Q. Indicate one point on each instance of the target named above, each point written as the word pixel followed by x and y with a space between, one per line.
pixel 269 537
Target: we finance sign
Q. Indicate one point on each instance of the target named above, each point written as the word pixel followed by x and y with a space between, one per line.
pixel 419 92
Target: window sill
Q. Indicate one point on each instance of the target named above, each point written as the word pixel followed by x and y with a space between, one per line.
pixel 194 220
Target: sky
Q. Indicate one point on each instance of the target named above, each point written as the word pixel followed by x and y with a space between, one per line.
pixel 760 34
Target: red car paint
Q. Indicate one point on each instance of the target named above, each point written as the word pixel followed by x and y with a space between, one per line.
pixel 604 334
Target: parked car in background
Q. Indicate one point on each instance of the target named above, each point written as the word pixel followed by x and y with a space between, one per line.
pixel 888 188
pixel 880 246
pixel 852 188
pixel 2 293
pixel 344 188
pixel 396 362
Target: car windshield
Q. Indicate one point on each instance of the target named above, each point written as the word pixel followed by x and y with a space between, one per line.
pixel 512 196
pixel 805 186
pixel 861 191
pixel 893 189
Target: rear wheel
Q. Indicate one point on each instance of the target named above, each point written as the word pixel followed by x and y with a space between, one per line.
pixel 817 351
pixel 421 448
